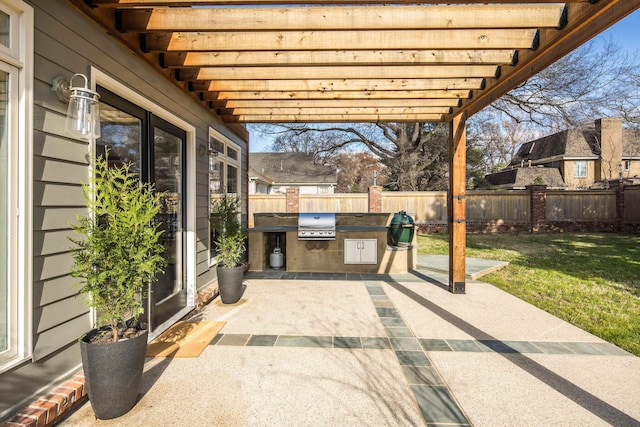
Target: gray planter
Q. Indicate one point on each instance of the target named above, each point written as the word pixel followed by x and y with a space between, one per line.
pixel 230 283
pixel 113 373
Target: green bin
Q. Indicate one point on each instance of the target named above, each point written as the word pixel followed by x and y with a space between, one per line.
pixel 401 229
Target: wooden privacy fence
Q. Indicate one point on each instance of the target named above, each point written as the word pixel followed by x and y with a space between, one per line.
pixel 581 205
pixel 632 204
pixel 506 206
pixel 532 209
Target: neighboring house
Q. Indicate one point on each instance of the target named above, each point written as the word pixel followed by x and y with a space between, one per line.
pixel 168 135
pixel 258 183
pixel 275 172
pixel 581 158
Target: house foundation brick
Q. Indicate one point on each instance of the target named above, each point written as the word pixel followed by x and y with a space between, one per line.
pixel 22 421
pixel 205 296
pixel 293 200
pixel 51 407
pixel 37 415
pixel 375 198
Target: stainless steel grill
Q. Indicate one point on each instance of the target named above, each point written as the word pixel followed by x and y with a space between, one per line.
pixel 317 226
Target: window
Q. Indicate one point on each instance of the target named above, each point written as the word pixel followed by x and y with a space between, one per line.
pixel 224 177
pixel 16 82
pixel 580 169
pixel 627 165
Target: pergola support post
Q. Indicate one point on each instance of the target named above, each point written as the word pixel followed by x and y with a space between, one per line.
pixel 456 205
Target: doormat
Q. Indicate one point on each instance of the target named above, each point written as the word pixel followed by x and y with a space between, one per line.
pixel 184 339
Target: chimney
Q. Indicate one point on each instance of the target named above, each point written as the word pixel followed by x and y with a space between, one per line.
pixel 609 133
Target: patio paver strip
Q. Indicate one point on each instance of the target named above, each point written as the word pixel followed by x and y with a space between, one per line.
pixel 428 344
pixel 435 400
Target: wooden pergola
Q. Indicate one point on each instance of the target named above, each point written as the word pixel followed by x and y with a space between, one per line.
pixel 285 61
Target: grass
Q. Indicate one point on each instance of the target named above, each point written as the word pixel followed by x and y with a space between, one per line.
pixel 589 280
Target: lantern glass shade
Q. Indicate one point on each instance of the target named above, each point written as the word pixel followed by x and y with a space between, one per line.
pixel 83 114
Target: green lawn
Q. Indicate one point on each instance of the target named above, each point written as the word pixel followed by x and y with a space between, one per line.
pixel 589 280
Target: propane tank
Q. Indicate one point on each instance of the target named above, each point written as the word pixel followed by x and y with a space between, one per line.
pixel 276 259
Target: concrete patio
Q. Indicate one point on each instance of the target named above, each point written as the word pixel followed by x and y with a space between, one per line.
pixel 323 349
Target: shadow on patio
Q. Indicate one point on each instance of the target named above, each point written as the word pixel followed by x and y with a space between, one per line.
pixel 386 350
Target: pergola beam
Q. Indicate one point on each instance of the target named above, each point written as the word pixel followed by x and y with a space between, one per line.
pixel 177 3
pixel 338 57
pixel 338 85
pixel 338 118
pixel 331 40
pixel 344 72
pixel 335 111
pixel 367 95
pixel 342 103
pixel 343 18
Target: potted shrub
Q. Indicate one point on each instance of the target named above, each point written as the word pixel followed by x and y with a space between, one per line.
pixel 230 247
pixel 118 254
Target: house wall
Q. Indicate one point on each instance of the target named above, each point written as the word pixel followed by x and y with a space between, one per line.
pixel 258 187
pixel 304 189
pixel 634 170
pixel 574 183
pixel 66 42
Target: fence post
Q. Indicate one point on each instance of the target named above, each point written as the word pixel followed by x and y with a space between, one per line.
pixel 375 198
pixel 538 194
pixel 293 200
pixel 620 205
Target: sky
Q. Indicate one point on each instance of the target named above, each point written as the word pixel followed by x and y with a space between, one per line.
pixel 626 33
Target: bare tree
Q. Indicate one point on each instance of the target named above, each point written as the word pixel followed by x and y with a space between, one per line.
pixel 498 138
pixel 357 171
pixel 415 154
pixel 593 81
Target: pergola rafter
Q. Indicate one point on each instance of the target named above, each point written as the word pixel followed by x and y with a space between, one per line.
pixel 356 60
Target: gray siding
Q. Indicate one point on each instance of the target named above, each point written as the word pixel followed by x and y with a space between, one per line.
pixel 66 42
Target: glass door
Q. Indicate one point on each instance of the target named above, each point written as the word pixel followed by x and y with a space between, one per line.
pixel 169 294
pixel 156 150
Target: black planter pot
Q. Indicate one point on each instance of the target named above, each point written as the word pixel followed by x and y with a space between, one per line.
pixel 230 283
pixel 113 372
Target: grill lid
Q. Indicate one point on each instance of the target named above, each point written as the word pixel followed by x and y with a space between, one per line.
pixel 317 226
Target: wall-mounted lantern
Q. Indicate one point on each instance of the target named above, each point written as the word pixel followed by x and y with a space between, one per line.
pixel 83 113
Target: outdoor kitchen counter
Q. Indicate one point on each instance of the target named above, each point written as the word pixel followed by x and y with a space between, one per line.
pixel 353 232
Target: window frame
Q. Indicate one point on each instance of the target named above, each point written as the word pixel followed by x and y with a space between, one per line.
pixel 224 161
pixel 18 59
pixel 577 169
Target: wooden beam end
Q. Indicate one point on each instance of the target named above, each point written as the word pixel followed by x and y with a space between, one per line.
pixel 564 18
pixel 515 58
pixel 535 44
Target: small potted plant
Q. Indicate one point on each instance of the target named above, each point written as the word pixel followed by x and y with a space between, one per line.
pixel 118 254
pixel 230 247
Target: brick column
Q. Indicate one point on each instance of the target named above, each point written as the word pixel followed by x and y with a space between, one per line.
pixel 620 205
pixel 293 200
pixel 375 198
pixel 538 194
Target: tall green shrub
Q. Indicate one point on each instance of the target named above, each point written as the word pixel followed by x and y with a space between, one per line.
pixel 119 251
pixel 229 243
